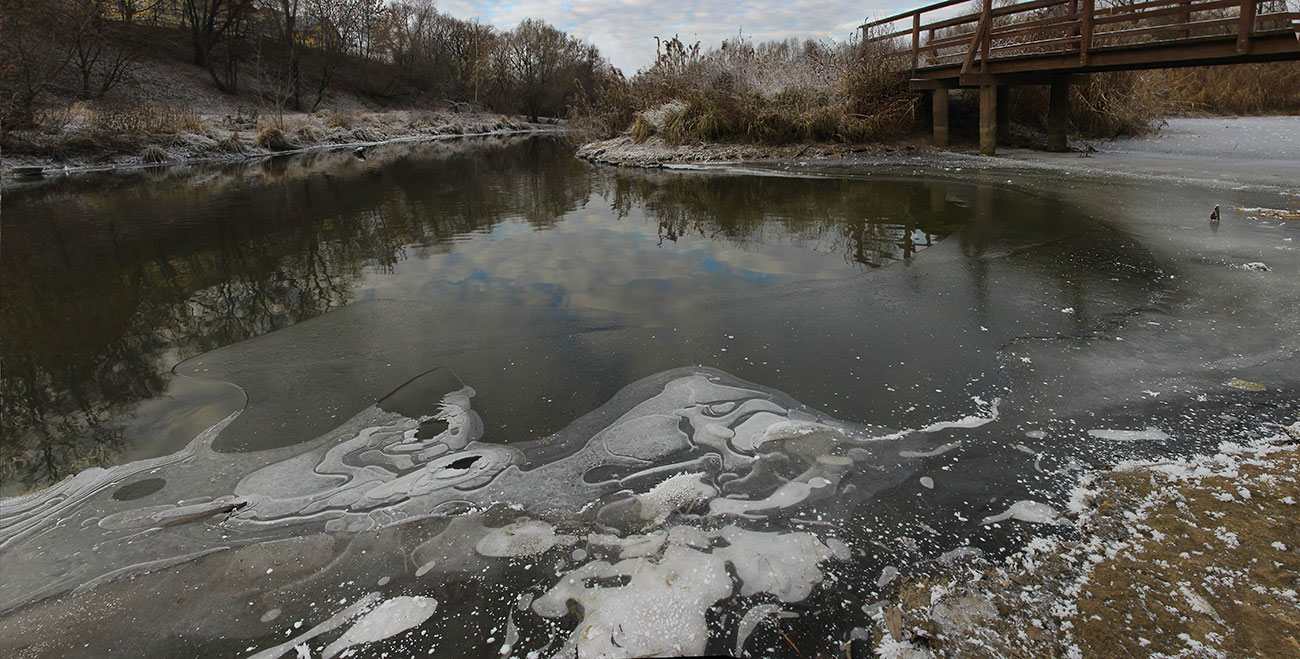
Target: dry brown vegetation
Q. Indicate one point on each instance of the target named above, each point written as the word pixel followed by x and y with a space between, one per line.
pixel 1181 558
pixel 769 93
pixel 1134 102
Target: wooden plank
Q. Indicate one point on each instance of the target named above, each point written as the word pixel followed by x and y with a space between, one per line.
pixel 957 40
pixel 988 41
pixel 1074 12
pixel 1246 26
pixel 1021 7
pixel 1043 42
pixel 916 40
pixel 1085 37
pixel 1198 5
pixel 952 22
pixel 1112 34
pixel 1041 25
pixel 1157 13
pixel 973 49
pixel 988 120
pixel 886 37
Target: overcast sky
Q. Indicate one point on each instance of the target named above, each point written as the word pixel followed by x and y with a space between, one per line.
pixel 624 30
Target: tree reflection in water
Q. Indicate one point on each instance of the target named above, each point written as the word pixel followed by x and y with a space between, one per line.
pixel 110 280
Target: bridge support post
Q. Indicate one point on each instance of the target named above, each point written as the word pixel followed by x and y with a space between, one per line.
pixel 988 120
pixel 1058 114
pixel 939 111
pixel 1004 114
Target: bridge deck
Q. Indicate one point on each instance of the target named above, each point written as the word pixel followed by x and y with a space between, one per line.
pixel 1037 40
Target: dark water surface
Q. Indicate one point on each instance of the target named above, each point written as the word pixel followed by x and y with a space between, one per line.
pixel 110 282
pixel 930 346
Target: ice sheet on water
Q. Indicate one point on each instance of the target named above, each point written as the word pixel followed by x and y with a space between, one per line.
pixel 688 473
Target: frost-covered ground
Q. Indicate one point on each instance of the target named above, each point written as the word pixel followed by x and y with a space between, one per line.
pixel 82 144
pixel 1186 557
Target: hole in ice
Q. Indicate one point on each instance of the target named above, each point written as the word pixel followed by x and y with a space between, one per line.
pixel 431 428
pixel 465 462
pixel 139 489
pixel 614 581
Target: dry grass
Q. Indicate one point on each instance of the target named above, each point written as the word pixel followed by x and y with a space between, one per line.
pixel 272 137
pixel 770 93
pixel 233 143
pixel 154 154
pixel 153 119
pixel 1181 558
pixel 1242 89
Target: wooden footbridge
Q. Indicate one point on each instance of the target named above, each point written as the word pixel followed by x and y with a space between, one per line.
pixel 1057 42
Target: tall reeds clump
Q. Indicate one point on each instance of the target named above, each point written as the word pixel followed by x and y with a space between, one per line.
pixel 1106 105
pixel 1271 88
pixel 771 93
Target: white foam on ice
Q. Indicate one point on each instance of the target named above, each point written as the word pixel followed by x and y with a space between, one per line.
pixel 528 537
pixel 640 606
pixel 989 414
pixel 1147 435
pixel 390 618
pixel 1026 511
pixel 673 494
pixel 931 453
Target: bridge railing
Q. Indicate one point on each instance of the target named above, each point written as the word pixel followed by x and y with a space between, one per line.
pixel 931 36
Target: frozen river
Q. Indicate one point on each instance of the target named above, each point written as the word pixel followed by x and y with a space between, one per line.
pixel 483 399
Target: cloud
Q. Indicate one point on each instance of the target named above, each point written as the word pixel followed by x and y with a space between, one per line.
pixel 624 30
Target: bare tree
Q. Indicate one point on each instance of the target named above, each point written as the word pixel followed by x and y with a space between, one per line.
pixel 539 56
pixel 216 28
pixel 286 18
pixel 35 50
pixel 105 52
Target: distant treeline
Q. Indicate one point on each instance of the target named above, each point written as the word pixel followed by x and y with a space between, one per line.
pixel 293 54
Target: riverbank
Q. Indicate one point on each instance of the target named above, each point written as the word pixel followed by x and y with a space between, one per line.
pixel 88 140
pixel 1209 151
pixel 624 151
pixel 1183 557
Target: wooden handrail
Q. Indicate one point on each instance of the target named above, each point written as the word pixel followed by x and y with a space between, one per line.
pixel 1080 26
pixel 907 14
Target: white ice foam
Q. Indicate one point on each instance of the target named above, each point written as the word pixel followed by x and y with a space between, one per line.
pixel 391 618
pixel 989 415
pixel 931 453
pixel 528 537
pixel 1149 434
pixel 1027 511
